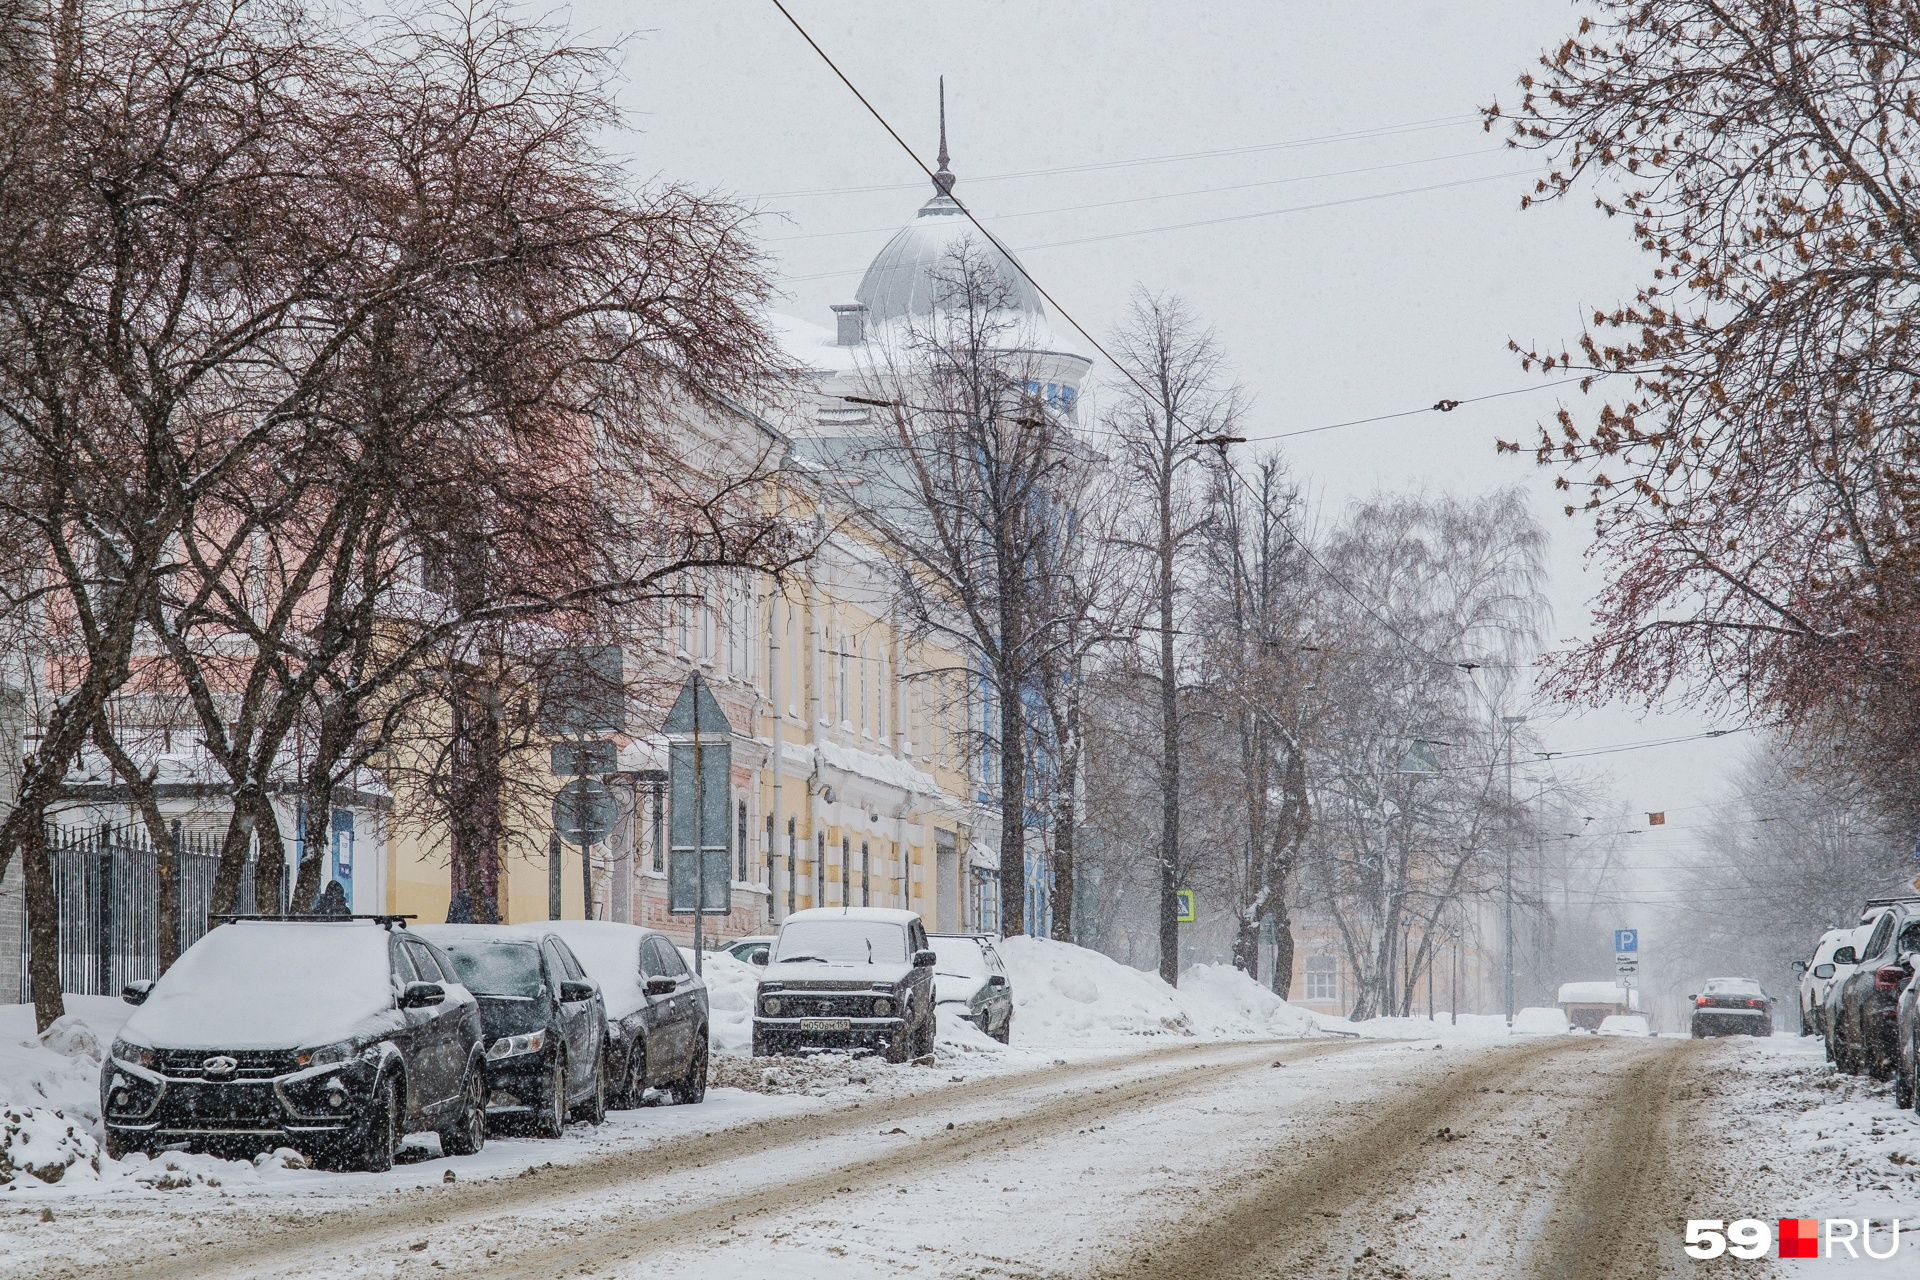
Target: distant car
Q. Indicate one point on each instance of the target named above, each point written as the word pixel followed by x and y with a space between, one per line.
pixel 743 949
pixel 970 977
pixel 334 1037
pixel 1819 974
pixel 1863 1009
pixel 1732 1007
pixel 656 1009
pixel 1624 1024
pixel 847 978
pixel 545 1022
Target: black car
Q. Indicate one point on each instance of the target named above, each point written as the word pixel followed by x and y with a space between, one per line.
pixel 545 1022
pixel 1732 1007
pixel 656 1010
pixel 1863 1010
pixel 847 978
pixel 335 1037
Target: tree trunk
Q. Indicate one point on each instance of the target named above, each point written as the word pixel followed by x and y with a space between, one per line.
pixel 1282 948
pixel 474 818
pixel 1169 749
pixel 43 925
pixel 1064 833
pixel 1013 811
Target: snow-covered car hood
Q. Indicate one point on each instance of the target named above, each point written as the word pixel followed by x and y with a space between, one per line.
pixel 958 988
pixel 819 973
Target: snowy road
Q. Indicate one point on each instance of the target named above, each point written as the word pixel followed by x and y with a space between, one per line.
pixel 1541 1157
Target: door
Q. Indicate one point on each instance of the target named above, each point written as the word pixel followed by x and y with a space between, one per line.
pixel 658 1015
pixel 438 1061
pixel 413 1032
pixel 674 1034
pixel 920 981
pixel 950 889
pixel 572 1017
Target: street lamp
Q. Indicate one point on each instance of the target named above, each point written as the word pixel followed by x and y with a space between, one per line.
pixel 1512 723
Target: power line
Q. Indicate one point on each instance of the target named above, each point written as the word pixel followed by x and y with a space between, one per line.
pixel 1169 195
pixel 1359 135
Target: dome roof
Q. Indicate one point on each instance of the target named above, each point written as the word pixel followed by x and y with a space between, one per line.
pixel 906 278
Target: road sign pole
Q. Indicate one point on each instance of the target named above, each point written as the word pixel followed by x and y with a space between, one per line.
pixel 699 842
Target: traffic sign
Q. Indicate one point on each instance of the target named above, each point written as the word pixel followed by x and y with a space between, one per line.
pixel 583 811
pixel 590 757
pixel 1625 941
pixel 1184 897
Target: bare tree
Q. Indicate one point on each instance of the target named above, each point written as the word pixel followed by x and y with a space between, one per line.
pixel 1174 403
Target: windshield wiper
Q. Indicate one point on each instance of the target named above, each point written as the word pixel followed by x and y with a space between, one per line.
pixel 869 950
pixel 798 959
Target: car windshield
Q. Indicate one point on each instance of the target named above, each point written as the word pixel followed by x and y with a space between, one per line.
pixel 842 941
pixel 960 957
pixel 498 968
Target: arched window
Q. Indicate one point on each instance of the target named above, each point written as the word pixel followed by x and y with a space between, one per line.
pixel 1321 978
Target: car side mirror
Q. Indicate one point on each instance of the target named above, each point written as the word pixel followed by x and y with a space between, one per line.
pixel 760 955
pixel 418 995
pixel 924 959
pixel 1800 966
pixel 573 992
pixel 997 980
pixel 1846 955
pixel 661 985
pixel 137 992
pixel 1823 971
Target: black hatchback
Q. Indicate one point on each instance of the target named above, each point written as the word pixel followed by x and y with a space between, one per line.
pixel 545 1023
pixel 335 1037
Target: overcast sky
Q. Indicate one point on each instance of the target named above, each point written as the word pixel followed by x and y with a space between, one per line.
pixel 1402 289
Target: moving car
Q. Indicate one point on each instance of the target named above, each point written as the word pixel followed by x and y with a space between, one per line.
pixel 743 949
pixel 1863 1009
pixel 336 1037
pixel 544 1019
pixel 1732 1007
pixel 656 1009
pixel 1819 975
pixel 847 978
pixel 970 977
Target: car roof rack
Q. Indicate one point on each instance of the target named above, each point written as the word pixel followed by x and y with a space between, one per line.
pixel 1888 902
pixel 313 918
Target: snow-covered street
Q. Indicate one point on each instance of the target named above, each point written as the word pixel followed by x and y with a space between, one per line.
pixel 1469 1153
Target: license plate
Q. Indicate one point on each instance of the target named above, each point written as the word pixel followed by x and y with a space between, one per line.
pixel 825 1024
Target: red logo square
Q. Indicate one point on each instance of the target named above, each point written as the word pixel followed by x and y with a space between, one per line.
pixel 1799 1237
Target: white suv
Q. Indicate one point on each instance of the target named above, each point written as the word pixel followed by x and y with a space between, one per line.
pixel 1820 975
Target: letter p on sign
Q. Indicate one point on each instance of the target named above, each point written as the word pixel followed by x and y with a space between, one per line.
pixel 1799 1237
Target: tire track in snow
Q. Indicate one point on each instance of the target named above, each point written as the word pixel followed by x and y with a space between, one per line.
pixel 351 1235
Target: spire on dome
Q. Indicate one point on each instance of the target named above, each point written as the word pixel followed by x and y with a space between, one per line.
pixel 943 177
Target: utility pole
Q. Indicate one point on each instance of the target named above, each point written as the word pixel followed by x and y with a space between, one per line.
pixel 1512 723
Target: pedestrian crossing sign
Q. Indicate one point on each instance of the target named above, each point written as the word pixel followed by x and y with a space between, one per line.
pixel 1185 898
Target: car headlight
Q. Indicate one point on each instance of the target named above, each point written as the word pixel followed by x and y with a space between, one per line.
pixel 326 1055
pixel 514 1046
pixel 771 1006
pixel 882 1007
pixel 132 1051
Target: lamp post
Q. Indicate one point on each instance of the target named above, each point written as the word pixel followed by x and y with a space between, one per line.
pixel 1512 723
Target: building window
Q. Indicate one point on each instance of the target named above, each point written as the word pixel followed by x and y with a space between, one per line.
pixel 769 857
pixel 659 798
pixel 866 870
pixel 846 872
pixel 740 840
pixel 846 684
pixel 1321 976
pixel 820 869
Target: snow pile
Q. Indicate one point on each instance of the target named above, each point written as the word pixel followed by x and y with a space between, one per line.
pixel 1540 1022
pixel 1442 1026
pixel 60 1070
pixel 45 1144
pixel 1624 1024
pixel 1067 997
pixel 731 984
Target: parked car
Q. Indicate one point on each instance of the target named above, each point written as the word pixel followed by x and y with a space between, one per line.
pixel 1819 974
pixel 656 1009
pixel 333 1037
pixel 1732 1007
pixel 1906 1060
pixel 743 949
pixel 545 1022
pixel 970 977
pixel 847 978
pixel 1863 1010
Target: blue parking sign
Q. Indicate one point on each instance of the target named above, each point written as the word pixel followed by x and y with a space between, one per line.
pixel 1626 941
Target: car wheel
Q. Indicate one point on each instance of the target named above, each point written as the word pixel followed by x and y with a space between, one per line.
pixel 468 1133
pixel 1902 1088
pixel 382 1138
pixel 633 1088
pixel 550 1121
pixel 594 1109
pixel 1005 1034
pixel 692 1087
pixel 929 1032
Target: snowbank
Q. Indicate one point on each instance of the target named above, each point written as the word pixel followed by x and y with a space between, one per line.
pixel 1067 997
pixel 1540 1022
pixel 62 1070
pixel 730 987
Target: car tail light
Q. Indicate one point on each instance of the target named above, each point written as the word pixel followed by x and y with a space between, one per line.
pixel 1756 1004
pixel 1702 1001
pixel 1891 978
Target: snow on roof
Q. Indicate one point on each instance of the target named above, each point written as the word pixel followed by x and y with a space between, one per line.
pixel 1592 993
pixel 890 915
pixel 258 984
pixel 610 953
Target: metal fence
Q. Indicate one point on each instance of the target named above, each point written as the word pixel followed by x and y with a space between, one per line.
pixel 106 881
